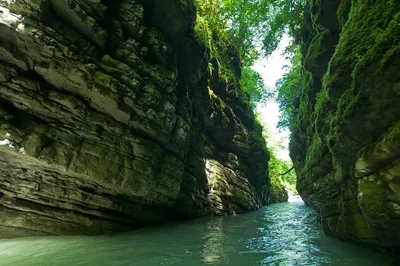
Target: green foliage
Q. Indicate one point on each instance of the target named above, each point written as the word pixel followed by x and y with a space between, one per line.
pixel 288 91
pixel 243 30
pixel 247 22
pixel 252 84
pixel 286 15
pixel 241 24
pixel 282 170
pixel 293 89
pixel 238 29
pixel 278 168
pixel 211 31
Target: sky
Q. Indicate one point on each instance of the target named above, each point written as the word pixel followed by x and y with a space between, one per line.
pixel 271 69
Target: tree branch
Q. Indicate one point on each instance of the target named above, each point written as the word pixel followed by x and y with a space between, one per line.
pixel 287 171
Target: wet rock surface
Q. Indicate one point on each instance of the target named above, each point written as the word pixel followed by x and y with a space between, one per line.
pixel 108 122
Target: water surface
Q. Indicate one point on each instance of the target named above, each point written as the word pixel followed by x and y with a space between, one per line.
pixel 279 234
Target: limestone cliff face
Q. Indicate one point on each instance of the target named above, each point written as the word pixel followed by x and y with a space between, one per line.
pixel 346 148
pixel 109 120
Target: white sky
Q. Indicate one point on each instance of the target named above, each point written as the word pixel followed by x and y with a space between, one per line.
pixel 271 69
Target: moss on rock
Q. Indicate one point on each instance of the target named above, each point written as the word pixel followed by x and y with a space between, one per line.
pixel 346 145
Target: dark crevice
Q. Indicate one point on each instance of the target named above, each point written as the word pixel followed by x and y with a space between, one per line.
pixel 46 208
pixel 112 14
pixel 15 116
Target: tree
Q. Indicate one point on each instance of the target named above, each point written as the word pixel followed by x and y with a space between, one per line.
pixel 288 90
pixel 250 27
pixel 279 169
pixel 253 28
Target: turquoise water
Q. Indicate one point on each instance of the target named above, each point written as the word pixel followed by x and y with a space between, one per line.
pixel 279 234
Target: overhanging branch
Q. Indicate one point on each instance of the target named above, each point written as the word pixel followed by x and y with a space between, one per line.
pixel 288 171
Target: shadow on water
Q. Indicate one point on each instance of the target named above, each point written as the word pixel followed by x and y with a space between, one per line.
pixel 279 234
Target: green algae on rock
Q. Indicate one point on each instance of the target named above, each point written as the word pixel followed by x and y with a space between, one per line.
pixel 346 144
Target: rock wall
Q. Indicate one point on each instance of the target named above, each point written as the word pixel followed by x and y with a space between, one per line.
pixel 110 120
pixel 346 148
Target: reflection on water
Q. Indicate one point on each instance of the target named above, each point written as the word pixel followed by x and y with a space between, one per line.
pixel 214 241
pixel 280 234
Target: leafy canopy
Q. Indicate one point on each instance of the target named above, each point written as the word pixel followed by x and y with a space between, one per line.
pixel 247 29
pixel 288 91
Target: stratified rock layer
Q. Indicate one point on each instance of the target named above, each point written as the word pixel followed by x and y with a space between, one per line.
pixel 108 120
pixel 346 148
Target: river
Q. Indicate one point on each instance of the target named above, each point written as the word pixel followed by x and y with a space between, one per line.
pixel 279 234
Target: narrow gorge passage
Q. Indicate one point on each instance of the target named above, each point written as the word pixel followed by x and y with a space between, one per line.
pixel 280 234
pixel 147 115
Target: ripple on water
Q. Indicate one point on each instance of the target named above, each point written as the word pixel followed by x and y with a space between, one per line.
pixel 279 234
